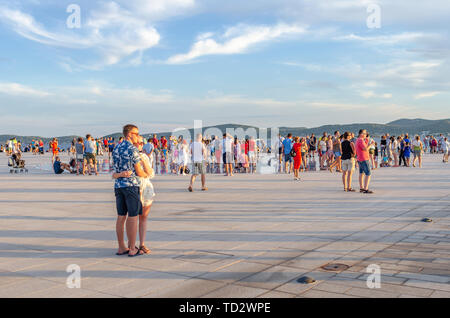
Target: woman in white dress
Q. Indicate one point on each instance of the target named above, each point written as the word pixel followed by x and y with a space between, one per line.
pixel 183 157
pixel 394 150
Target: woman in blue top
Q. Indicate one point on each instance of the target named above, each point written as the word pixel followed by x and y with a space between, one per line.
pixel 407 150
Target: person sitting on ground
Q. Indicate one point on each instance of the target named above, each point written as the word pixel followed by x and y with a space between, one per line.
pixel 59 167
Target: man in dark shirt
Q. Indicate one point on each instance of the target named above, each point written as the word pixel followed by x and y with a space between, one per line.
pixel 59 167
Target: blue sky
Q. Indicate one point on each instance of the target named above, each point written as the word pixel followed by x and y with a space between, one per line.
pixel 164 63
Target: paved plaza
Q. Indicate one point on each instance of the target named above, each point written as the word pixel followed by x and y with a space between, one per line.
pixel 248 236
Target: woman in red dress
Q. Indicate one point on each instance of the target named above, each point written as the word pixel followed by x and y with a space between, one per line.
pixel 297 148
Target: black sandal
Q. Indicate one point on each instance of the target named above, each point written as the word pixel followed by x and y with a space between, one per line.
pixel 137 253
pixel 368 191
pixel 123 253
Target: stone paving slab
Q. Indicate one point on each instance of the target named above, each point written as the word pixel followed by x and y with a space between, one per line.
pixel 248 236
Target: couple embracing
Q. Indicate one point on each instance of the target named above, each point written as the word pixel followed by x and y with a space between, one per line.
pixel 133 191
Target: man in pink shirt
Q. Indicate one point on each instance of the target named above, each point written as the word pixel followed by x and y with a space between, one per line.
pixel 362 153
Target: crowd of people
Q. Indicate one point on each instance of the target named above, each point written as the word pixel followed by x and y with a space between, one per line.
pixel 228 154
pixel 134 161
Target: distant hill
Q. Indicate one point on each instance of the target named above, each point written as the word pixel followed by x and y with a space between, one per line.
pixel 397 127
pixel 441 126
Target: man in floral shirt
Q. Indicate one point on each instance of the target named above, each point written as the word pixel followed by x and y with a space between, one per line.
pixel 126 188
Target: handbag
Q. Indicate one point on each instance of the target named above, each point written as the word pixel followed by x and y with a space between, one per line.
pixel 293 153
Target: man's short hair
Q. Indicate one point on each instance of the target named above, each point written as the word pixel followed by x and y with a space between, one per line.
pixel 361 131
pixel 88 136
pixel 289 135
pixel 127 128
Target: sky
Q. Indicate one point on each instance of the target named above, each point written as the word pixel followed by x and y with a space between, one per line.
pixel 77 67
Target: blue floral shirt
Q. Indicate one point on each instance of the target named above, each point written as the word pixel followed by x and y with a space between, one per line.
pixel 125 156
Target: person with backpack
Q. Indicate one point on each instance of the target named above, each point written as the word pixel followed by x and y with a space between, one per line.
pixel 287 147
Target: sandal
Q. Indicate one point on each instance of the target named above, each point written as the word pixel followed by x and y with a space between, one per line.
pixel 351 190
pixel 204 189
pixel 137 253
pixel 190 189
pixel 144 249
pixel 123 253
pixel 368 191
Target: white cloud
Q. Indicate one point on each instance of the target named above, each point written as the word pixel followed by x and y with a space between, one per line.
pixel 425 94
pixel 237 39
pixel 372 94
pixel 157 10
pixel 113 31
pixel 389 39
pixel 17 89
pixel 367 94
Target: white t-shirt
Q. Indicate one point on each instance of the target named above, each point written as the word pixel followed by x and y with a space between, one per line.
pixel 228 145
pixel 198 150
pixel 445 145
pixel 323 145
pixel 416 143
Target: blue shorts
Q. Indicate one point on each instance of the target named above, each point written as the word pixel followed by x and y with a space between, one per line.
pixel 287 157
pixel 364 167
pixel 128 201
pixel 337 154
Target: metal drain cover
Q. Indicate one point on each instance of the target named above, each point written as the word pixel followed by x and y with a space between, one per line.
pixel 306 280
pixel 335 267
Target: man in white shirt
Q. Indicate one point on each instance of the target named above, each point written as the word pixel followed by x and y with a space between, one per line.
pixel 198 153
pixel 227 153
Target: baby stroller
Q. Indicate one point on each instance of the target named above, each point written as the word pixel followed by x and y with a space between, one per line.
pixel 16 164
